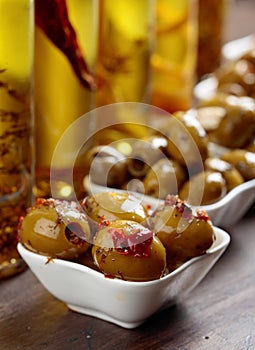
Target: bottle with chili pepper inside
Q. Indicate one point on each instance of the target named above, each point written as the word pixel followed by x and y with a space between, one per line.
pixel 65 49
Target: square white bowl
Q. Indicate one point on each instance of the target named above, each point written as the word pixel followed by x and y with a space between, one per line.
pixel 124 303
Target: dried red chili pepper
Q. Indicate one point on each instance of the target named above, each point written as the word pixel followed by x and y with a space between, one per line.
pixel 51 16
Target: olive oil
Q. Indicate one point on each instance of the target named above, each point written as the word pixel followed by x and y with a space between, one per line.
pixel 16 120
pixel 174 60
pixel 60 98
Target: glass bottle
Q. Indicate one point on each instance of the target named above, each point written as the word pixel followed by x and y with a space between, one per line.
pixel 16 126
pixel 61 94
pixel 126 41
pixel 211 21
pixel 174 60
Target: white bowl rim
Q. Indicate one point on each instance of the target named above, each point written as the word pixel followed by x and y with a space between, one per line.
pixel 222 236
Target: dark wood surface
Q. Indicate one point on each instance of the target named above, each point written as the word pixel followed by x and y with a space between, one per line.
pixel 218 315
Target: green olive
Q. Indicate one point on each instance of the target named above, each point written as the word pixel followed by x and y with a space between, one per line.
pixel 55 228
pixel 243 160
pixel 145 152
pixel 165 177
pixel 231 175
pixel 238 76
pixel 187 140
pixel 184 233
pixel 237 126
pixel 110 206
pixel 129 251
pixel 204 188
pixel 107 166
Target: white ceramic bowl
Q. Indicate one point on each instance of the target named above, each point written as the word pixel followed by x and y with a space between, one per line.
pixel 127 304
pixel 224 213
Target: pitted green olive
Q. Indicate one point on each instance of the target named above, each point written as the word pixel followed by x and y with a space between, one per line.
pixel 187 140
pixel 243 160
pixel 107 166
pixel 231 175
pixel 145 153
pixel 184 233
pixel 204 188
pixel 165 177
pixel 55 228
pixel 237 126
pixel 110 206
pixel 129 251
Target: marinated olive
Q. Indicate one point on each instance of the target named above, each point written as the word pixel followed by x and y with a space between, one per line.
pixel 55 228
pixel 110 206
pixel 145 152
pixel 165 176
pixel 187 140
pixel 210 117
pixel 108 167
pixel 129 251
pixel 204 188
pixel 231 175
pixel 243 160
pixel 238 77
pixel 237 126
pixel 185 233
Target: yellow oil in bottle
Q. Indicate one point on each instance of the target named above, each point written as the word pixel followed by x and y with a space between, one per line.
pixel 126 41
pixel 16 120
pixel 60 99
pixel 174 60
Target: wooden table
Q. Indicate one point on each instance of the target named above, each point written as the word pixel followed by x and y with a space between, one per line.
pixel 218 315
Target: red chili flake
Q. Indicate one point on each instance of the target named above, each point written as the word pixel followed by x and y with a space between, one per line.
pixel 181 206
pixel 148 206
pixel 106 275
pixel 104 222
pixel 137 244
pixel 202 215
pixel 51 16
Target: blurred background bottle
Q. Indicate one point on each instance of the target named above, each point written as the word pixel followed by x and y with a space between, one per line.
pixel 211 19
pixel 16 121
pixel 175 57
pixel 126 42
pixel 65 51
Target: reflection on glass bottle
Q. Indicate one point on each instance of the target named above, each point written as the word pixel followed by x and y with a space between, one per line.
pixel 61 96
pixel 174 61
pixel 126 39
pixel 16 120
pixel 211 32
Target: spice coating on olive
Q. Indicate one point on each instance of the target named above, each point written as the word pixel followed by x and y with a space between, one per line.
pixel 112 206
pixel 184 233
pixel 129 251
pixel 55 228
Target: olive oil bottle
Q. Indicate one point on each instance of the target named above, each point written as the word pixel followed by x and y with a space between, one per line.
pixel 60 97
pixel 16 126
